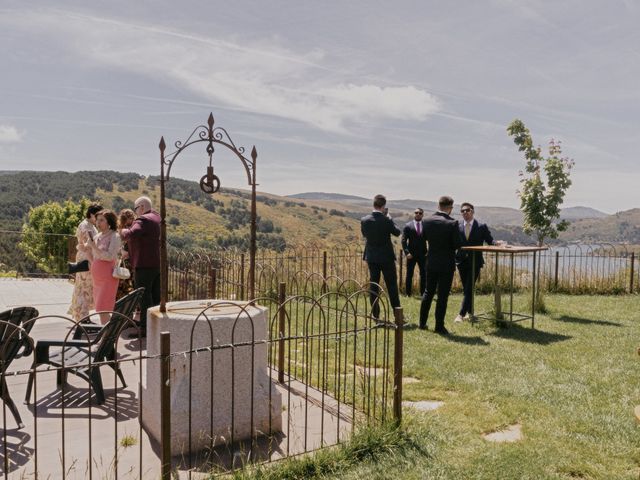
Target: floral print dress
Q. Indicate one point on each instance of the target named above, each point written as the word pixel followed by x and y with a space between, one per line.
pixel 82 298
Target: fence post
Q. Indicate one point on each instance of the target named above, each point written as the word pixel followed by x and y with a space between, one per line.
pixel 555 275
pixel 397 365
pixel 282 295
pixel 633 259
pixel 400 274
pixel 242 277
pixel 212 282
pixel 165 407
pixel 324 271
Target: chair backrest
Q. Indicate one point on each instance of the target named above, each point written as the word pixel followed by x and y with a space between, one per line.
pixel 127 304
pixel 14 332
pixel 108 336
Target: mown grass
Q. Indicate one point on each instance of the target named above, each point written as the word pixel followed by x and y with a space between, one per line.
pixel 571 383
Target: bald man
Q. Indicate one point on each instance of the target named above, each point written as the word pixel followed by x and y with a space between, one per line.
pixel 143 239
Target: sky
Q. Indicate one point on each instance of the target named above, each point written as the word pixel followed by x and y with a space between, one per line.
pixel 408 98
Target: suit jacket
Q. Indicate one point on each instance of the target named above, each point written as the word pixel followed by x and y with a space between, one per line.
pixel 478 235
pixel 377 229
pixel 441 231
pixel 412 243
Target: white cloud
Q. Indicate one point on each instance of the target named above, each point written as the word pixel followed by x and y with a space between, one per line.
pixel 10 134
pixel 264 77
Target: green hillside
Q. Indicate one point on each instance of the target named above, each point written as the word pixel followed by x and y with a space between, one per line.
pixel 194 219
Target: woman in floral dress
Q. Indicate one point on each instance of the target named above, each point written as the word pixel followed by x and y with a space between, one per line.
pixel 82 298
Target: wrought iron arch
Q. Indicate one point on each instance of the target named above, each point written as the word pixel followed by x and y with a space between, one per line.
pixel 210 184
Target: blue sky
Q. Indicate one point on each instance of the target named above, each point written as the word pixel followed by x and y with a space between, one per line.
pixel 410 98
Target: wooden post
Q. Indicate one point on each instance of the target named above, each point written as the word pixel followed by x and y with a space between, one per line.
pixel 633 259
pixel 400 274
pixel 71 248
pixel 324 271
pixel 555 275
pixel 165 406
pixel 282 296
pixel 397 365
pixel 242 279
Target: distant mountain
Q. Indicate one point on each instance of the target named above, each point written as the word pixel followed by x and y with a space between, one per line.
pixel 502 216
pixel 199 220
pixel 577 213
pixel 619 227
pixel 325 196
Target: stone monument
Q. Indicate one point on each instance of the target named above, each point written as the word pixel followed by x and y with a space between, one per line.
pixel 227 400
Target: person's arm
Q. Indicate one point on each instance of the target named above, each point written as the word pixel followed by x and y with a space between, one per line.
pixel 456 241
pixel 132 232
pixel 404 240
pixel 488 238
pixel 111 253
pixel 395 231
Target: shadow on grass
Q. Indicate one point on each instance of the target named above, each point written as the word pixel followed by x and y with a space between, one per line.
pixel 473 341
pixel 587 321
pixel 522 334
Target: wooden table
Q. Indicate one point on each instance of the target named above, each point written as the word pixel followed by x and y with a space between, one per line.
pixel 511 251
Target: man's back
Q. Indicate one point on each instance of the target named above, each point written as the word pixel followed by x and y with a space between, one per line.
pixel 441 231
pixel 377 228
pixel 144 241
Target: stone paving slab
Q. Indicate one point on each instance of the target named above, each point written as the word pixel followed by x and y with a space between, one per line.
pixel 49 296
pixel 513 433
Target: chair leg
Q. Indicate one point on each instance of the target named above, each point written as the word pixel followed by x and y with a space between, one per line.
pixel 61 377
pixel 118 371
pixel 32 375
pixel 9 403
pixel 96 383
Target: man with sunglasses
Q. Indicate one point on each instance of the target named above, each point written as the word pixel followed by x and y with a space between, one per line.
pixel 472 234
pixel 414 245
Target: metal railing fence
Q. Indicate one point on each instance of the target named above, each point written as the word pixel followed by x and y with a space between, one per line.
pixel 257 388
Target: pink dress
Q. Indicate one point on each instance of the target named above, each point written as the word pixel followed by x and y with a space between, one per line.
pixel 105 255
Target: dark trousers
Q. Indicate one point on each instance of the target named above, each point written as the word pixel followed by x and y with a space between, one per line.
pixel 149 278
pixel 411 265
pixel 388 270
pixel 437 282
pixel 467 287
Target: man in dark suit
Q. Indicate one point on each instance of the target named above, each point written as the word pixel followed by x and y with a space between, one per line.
pixel 414 246
pixel 377 229
pixel 472 233
pixel 441 231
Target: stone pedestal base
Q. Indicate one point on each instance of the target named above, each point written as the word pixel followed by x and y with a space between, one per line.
pixel 212 392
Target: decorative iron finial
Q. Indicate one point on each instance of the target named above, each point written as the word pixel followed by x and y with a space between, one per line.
pixel 210 121
pixel 162 144
pixel 254 153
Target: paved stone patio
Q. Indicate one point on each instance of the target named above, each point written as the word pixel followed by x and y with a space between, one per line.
pixel 65 428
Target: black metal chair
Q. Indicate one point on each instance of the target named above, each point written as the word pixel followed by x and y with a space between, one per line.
pixel 14 343
pixel 126 306
pixel 83 357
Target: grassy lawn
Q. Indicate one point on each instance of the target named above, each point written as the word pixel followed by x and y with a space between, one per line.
pixel 571 384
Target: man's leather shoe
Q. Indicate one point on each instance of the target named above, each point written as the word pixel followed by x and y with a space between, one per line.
pixel 137 334
pixel 422 327
pixel 442 331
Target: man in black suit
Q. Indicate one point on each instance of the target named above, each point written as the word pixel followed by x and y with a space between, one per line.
pixel 377 229
pixel 414 246
pixel 441 231
pixel 472 233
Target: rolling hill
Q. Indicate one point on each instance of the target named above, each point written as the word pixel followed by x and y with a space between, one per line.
pixel 198 220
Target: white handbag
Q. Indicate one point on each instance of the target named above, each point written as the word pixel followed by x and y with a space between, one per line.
pixel 121 272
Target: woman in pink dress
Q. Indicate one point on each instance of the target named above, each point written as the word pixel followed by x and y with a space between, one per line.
pixel 103 254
